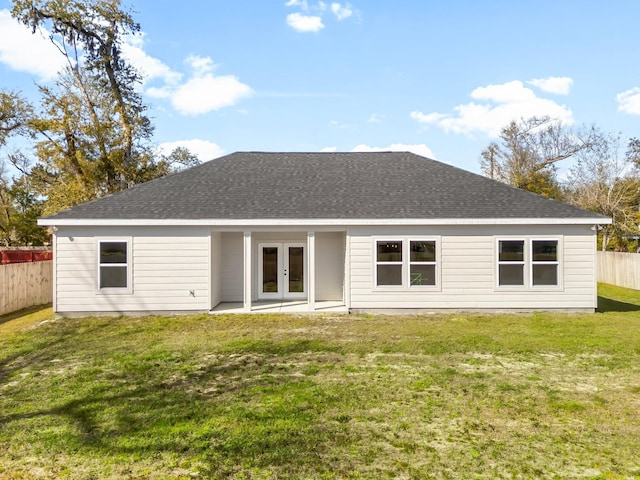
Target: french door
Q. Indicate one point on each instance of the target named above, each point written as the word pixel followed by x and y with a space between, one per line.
pixel 281 270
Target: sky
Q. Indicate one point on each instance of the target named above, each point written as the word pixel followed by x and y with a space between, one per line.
pixel 439 78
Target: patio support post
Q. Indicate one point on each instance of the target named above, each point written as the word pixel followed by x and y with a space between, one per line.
pixel 248 281
pixel 311 246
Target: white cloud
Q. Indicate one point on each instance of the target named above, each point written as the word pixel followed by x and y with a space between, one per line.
pixel 496 106
pixel 203 149
pixel 204 91
pixel 26 52
pixel 200 65
pixel 310 17
pixel 629 101
pixel 419 149
pixel 207 93
pixel 510 92
pixel 329 149
pixel 297 3
pixel 149 67
pixel 555 85
pixel 341 12
pixel 429 118
pixel 304 23
pixel 375 118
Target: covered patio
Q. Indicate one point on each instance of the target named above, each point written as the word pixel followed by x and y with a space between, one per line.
pixel 270 270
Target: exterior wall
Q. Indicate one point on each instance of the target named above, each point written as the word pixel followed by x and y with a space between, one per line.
pixel 167 264
pixel 330 265
pixel 468 269
pixel 232 263
pixel 216 270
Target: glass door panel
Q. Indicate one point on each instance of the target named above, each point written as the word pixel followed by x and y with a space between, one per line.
pixel 270 269
pixel 296 270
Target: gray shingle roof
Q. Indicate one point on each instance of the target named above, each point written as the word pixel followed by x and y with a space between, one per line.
pixel 381 185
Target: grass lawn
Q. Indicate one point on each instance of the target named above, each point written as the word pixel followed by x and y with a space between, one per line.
pixel 276 396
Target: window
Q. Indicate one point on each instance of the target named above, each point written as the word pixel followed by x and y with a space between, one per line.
pixel 422 262
pixel 524 263
pixel 510 262
pixel 406 263
pixel 389 263
pixel 113 266
pixel 544 262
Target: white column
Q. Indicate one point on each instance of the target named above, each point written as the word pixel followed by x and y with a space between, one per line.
pixel 347 270
pixel 248 281
pixel 311 267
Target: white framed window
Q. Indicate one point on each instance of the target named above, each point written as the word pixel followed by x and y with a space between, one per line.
pixel 406 263
pixel 389 264
pixel 544 263
pixel 511 262
pixel 114 266
pixel 422 263
pixel 528 263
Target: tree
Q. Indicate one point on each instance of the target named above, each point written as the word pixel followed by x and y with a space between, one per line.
pixel 528 152
pixel 5 209
pixel 92 128
pixel 27 208
pixel 603 182
pixel 179 159
pixel 15 113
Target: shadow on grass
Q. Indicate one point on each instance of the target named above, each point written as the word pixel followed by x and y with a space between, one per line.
pixel 240 412
pixel 609 305
pixel 21 313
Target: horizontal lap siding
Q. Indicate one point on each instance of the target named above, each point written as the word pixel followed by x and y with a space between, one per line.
pixel 329 265
pixel 232 263
pixel 168 264
pixel 467 269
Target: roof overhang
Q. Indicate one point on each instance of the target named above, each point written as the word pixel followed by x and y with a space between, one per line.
pixel 114 222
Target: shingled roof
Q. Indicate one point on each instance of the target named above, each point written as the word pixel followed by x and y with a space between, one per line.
pixel 380 185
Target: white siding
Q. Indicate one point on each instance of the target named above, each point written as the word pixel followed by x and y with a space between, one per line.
pixel 329 265
pixel 170 269
pixel 468 269
pixel 216 268
pixel 232 267
pixel 168 263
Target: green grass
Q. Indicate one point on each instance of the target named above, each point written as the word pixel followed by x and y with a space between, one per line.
pixel 273 396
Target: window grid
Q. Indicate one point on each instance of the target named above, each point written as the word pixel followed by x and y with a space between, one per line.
pixel 413 263
pixel 416 278
pixel 389 256
pixel 119 282
pixel 539 263
pixel 511 262
pixel 547 256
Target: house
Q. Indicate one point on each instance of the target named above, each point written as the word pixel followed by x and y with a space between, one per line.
pixel 350 231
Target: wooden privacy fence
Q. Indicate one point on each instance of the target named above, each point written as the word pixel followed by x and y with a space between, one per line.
pixel 618 268
pixel 24 285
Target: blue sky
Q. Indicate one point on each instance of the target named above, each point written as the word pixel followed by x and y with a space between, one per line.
pixel 438 78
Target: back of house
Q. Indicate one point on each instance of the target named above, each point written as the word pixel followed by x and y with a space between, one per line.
pixel 323 231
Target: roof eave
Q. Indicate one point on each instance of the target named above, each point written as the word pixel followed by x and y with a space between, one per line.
pixel 214 222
